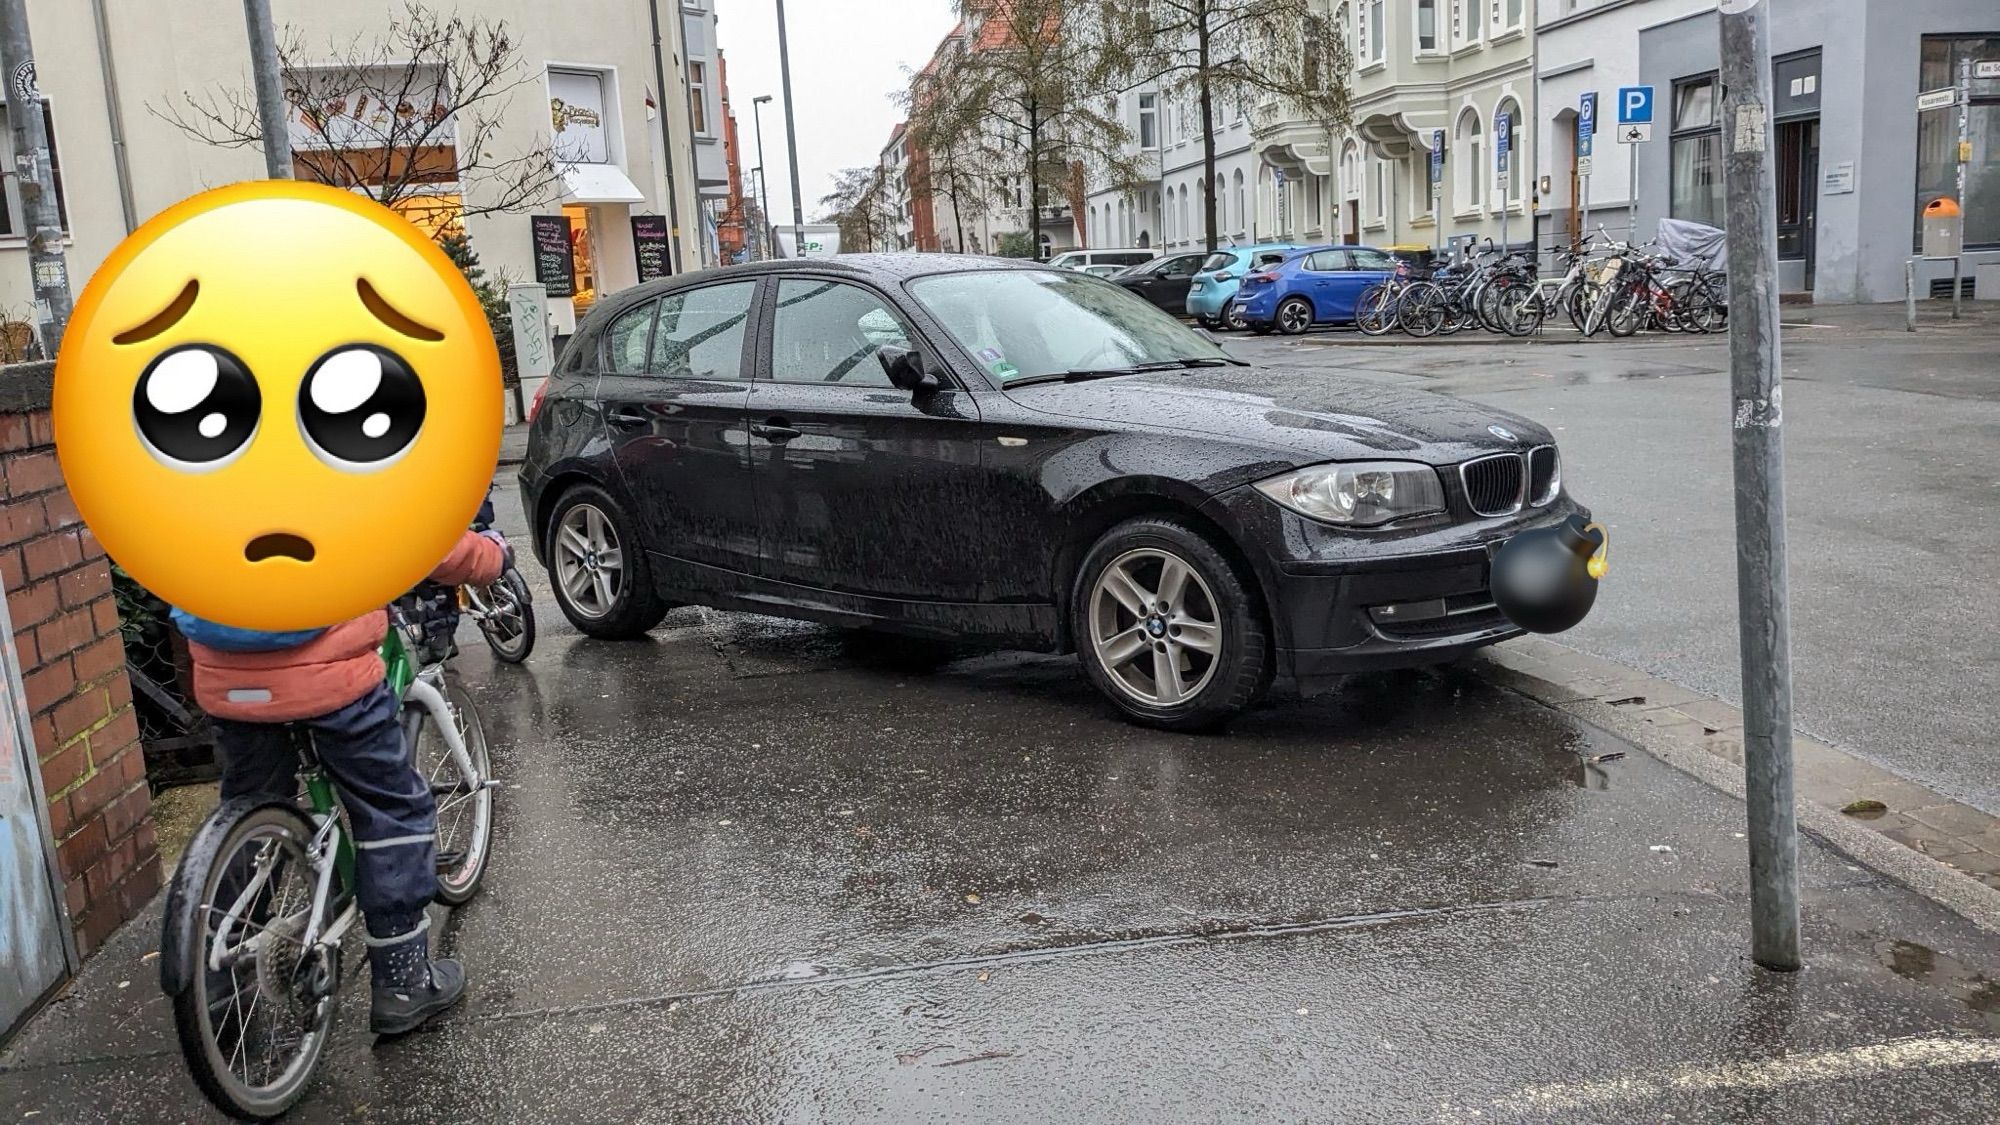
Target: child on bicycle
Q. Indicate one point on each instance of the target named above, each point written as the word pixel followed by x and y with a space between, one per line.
pixel 257 686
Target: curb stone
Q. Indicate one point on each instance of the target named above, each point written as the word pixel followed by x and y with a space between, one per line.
pixel 1948 851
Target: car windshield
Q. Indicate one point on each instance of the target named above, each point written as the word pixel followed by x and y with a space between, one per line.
pixel 1220 260
pixel 1020 324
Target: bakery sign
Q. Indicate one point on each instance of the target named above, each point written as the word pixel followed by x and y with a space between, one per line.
pixel 368 107
pixel 576 117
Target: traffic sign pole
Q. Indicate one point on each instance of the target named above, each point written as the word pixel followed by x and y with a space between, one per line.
pixel 1586 131
pixel 1504 128
pixel 1635 125
pixel 1763 599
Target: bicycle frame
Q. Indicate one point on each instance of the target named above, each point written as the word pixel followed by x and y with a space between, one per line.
pixel 331 850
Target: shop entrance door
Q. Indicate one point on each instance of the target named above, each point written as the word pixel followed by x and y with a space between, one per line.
pixel 1798 193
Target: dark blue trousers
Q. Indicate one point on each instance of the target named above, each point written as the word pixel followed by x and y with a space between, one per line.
pixel 389 804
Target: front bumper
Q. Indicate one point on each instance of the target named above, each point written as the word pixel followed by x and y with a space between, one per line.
pixel 1343 601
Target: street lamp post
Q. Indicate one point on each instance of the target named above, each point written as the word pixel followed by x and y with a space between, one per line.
pixel 763 199
pixel 791 137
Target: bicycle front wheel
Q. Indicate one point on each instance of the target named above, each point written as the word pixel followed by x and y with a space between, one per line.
pixel 253 1005
pixel 1422 309
pixel 464 804
pixel 509 626
pixel 1519 311
pixel 1375 312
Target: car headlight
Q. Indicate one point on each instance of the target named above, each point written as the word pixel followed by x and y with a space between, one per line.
pixel 1359 494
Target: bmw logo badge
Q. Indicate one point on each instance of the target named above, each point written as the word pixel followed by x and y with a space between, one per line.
pixel 1501 432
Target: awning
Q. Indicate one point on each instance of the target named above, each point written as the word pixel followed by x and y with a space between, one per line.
pixel 599 183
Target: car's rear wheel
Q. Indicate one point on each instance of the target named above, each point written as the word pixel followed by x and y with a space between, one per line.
pixel 1167 628
pixel 1295 316
pixel 1232 317
pixel 598 567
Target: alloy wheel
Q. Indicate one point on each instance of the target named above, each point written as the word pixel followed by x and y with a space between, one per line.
pixel 1294 317
pixel 1155 628
pixel 590 564
pixel 1232 317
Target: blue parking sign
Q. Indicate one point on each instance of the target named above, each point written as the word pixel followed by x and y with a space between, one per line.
pixel 1586 115
pixel 1503 133
pixel 1635 105
pixel 1437 155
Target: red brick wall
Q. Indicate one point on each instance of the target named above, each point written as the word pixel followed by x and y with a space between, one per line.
pixel 58 585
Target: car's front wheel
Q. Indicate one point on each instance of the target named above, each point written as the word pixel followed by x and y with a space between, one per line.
pixel 598 567
pixel 1167 628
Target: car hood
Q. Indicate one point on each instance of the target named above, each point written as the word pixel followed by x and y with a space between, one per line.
pixel 1310 415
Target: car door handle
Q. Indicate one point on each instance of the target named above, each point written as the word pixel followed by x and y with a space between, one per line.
pixel 626 417
pixel 774 431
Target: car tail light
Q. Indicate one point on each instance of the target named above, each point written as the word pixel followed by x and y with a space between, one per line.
pixel 1224 275
pixel 1264 278
pixel 535 407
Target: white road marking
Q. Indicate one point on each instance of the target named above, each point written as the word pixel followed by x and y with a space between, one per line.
pixel 1915 1053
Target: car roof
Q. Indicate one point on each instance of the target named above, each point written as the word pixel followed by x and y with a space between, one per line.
pixel 883 269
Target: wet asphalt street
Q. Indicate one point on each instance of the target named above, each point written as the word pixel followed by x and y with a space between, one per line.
pixel 1894 512
pixel 750 871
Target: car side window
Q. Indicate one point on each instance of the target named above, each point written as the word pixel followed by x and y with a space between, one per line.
pixel 1182 267
pixel 700 332
pixel 625 342
pixel 1366 258
pixel 1270 258
pixel 1327 261
pixel 831 332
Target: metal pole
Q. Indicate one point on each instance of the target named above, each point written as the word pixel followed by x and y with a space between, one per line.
pixel 1632 172
pixel 1755 369
pixel 763 198
pixel 1957 281
pixel 39 205
pixel 791 137
pixel 272 116
pixel 1910 295
pixel 115 114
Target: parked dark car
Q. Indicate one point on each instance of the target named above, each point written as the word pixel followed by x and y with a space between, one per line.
pixel 1164 281
pixel 1022 457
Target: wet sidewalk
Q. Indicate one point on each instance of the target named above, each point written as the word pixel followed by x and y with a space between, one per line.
pixel 749 871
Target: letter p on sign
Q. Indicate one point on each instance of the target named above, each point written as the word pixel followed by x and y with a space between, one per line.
pixel 1635 105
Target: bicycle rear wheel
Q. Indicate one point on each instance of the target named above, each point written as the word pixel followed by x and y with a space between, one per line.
pixel 464 808
pixel 252 1030
pixel 1519 311
pixel 1422 310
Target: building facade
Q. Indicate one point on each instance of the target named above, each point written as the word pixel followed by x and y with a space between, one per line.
pixel 1167 209
pixel 1857 160
pixel 591 92
pixel 1451 74
pixel 1589 47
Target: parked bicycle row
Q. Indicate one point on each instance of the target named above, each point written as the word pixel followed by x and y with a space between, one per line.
pixel 1672 284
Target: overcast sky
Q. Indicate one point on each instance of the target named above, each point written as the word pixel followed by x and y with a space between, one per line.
pixel 848 58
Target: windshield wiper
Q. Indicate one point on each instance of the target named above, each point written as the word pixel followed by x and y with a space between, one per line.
pixel 1086 374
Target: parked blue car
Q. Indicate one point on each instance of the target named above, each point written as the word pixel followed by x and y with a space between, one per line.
pixel 1208 299
pixel 1319 285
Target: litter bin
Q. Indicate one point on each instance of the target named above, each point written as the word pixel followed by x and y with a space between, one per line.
pixel 1944 228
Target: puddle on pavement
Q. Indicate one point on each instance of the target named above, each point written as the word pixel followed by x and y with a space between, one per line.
pixel 1925 965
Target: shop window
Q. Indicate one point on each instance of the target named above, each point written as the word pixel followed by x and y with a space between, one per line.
pixel 577 117
pixel 1938 140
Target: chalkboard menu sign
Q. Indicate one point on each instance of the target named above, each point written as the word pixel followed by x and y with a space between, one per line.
pixel 649 242
pixel 555 264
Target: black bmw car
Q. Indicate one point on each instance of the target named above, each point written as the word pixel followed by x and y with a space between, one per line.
pixel 1021 457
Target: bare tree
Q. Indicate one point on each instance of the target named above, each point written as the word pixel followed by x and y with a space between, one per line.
pixel 946 156
pixel 1033 82
pixel 1240 52
pixel 397 116
pixel 860 205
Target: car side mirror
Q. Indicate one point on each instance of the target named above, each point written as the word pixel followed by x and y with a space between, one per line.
pixel 905 368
